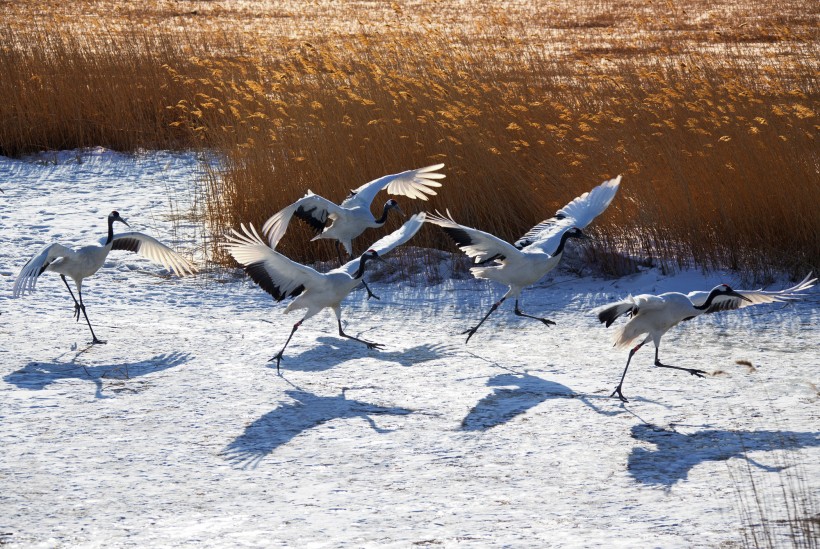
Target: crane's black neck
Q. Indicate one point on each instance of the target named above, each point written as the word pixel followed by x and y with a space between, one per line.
pixel 708 303
pixel 110 230
pixel 360 271
pixel 560 249
pixel 383 218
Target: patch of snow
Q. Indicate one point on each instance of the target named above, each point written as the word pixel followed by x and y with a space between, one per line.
pixel 511 440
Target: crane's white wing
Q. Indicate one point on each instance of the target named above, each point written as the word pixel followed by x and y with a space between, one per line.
pixel 311 208
pixel 579 213
pixel 151 248
pixel 607 314
pixel 27 279
pixel 476 244
pixel 387 243
pixel 755 297
pixel 410 183
pixel 273 272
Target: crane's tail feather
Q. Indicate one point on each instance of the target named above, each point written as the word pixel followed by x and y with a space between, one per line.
pixel 609 313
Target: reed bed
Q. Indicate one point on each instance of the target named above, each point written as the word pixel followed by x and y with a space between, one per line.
pixel 713 126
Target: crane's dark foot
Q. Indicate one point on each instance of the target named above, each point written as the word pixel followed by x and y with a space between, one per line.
pixel 547 321
pixel 278 358
pixel 98 342
pixel 471 331
pixel 371 345
pixel 371 294
pixel 618 392
pixel 693 371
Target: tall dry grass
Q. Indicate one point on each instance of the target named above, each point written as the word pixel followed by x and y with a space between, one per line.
pixel 713 127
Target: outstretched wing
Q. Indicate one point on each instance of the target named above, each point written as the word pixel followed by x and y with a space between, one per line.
pixel 579 213
pixel 151 248
pixel 410 183
pixel 387 243
pixel 27 279
pixel 476 244
pixel 312 209
pixel 755 297
pixel 272 271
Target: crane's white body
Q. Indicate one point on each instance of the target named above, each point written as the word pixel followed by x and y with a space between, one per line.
pixel 353 216
pixel 282 277
pixel 654 315
pixel 536 253
pixel 84 262
pixel 533 255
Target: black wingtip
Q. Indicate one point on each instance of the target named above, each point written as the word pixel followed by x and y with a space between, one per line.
pixel 259 275
pixel 608 316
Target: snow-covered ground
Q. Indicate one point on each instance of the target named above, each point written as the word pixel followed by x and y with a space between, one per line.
pixel 511 440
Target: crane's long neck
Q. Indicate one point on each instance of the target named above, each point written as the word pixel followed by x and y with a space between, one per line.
pixel 560 249
pixel 360 271
pixel 383 218
pixel 110 231
pixel 708 303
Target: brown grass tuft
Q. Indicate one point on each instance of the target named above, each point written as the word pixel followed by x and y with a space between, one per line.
pixel 714 128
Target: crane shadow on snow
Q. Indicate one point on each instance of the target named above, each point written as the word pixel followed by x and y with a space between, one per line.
pixel 38 375
pixel 285 422
pixel 675 453
pixel 332 351
pixel 515 394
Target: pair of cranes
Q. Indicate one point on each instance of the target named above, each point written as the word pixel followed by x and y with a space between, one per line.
pixel 516 265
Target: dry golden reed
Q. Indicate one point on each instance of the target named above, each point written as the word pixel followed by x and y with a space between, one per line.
pixel 713 127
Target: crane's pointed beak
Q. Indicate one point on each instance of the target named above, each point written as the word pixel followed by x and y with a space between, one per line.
pixel 125 222
pixel 398 209
pixel 741 296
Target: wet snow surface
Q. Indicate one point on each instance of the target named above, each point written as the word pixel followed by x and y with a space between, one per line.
pixel 511 440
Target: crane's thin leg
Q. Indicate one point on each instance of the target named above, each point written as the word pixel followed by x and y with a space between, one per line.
pixel 339 253
pixel 78 306
pixel 617 390
pixel 369 293
pixel 370 344
pixel 76 303
pixel 82 308
pixel 474 329
pixel 278 356
pixel 519 312
pixel 694 372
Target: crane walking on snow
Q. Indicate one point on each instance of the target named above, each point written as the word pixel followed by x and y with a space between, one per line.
pixel 534 254
pixel 82 263
pixel 314 291
pixel 654 315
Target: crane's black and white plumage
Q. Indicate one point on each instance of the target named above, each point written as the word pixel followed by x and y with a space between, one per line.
pixel 534 254
pixel 282 277
pixel 654 315
pixel 353 216
pixel 84 262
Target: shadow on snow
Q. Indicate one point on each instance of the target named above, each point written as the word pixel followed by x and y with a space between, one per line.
pixel 332 351
pixel 675 454
pixel 38 375
pixel 284 422
pixel 505 403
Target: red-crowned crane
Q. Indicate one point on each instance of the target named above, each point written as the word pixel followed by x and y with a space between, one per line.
pixel 353 216
pixel 534 254
pixel 281 277
pixel 654 315
pixel 84 262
